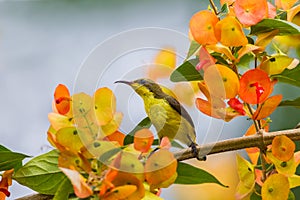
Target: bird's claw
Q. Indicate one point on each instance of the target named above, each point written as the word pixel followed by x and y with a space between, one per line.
pixel 195 152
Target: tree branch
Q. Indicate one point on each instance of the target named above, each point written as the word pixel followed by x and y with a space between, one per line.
pixel 36 197
pixel 235 144
pixel 214 148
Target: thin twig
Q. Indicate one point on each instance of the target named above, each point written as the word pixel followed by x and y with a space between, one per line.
pixel 213 6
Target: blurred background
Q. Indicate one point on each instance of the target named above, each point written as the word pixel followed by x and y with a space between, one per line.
pixel 44 43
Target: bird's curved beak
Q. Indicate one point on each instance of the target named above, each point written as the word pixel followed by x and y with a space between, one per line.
pixel 125 82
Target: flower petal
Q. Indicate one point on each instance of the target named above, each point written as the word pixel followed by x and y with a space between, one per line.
pixel 202 27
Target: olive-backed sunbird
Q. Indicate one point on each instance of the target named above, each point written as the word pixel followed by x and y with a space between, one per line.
pixel 168 116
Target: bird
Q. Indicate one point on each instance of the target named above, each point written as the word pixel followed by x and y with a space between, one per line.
pixel 168 116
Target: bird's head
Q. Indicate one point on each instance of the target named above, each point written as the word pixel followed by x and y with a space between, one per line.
pixel 144 87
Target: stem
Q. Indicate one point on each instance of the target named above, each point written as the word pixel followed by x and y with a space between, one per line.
pixel 214 6
pixel 262 149
pixel 262 146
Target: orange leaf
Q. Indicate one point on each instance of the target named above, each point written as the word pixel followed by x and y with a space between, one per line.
pixel 250 83
pixel 263 39
pixel 230 33
pixel 120 193
pixel 221 81
pixel 283 148
pixel 276 187
pixel 62 99
pixel 105 105
pixel 127 179
pixel 250 12
pixel 285 4
pixel 160 167
pixel 143 140
pixel 116 136
pixel 292 13
pixel 81 188
pixel 267 107
pixel 202 25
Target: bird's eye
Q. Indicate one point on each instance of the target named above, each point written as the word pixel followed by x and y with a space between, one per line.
pixel 142 81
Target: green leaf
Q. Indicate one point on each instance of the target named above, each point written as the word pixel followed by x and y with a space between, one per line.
pixel 255 196
pixel 145 123
pixel 194 48
pixel 289 76
pixel 64 189
pixel 186 72
pixel 9 159
pixel 295 103
pixel 188 174
pixel 268 25
pixel 41 173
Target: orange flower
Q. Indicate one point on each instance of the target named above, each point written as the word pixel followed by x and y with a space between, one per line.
pixel 202 26
pixel 255 86
pixel 143 140
pixel 250 12
pixel 62 99
pixel 5 182
pixel 283 148
pixel 221 81
pixel 230 33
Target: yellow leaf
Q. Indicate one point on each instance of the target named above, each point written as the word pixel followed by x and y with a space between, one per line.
pixel 113 125
pixel 84 115
pixel 276 187
pixel 59 121
pixel 245 172
pixel 70 139
pixel 294 181
pixel 277 63
pixel 104 105
pixel 98 148
pixel 287 168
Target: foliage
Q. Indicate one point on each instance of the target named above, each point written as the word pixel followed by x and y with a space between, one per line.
pixel 94 159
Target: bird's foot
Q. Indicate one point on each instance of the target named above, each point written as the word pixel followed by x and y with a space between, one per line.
pixel 195 152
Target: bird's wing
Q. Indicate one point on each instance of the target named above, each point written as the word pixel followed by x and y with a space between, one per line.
pixel 179 108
